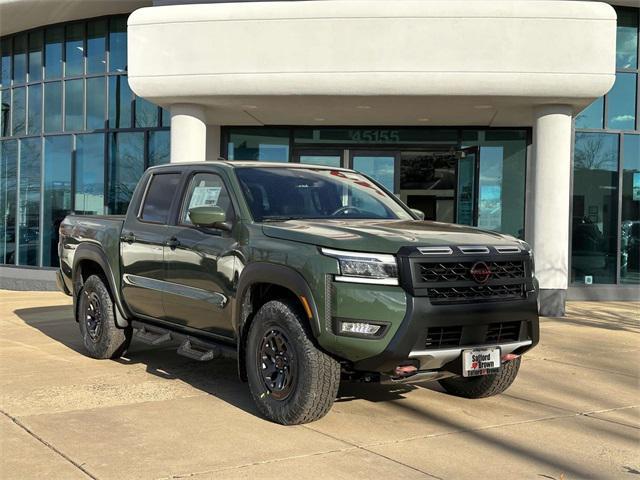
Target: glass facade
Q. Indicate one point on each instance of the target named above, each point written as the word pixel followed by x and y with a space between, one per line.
pixel 605 237
pixel 469 176
pixel 73 136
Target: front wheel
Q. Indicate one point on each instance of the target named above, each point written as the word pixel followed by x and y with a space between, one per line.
pixel 96 319
pixel 291 381
pixel 485 386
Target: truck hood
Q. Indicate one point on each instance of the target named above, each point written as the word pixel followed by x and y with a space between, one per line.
pixel 381 236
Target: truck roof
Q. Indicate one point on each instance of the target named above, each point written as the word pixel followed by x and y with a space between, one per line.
pixel 248 163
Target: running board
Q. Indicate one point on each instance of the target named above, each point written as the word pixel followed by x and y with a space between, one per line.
pixel 152 336
pixel 192 347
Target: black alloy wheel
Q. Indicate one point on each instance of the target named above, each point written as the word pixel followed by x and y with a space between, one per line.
pixel 277 364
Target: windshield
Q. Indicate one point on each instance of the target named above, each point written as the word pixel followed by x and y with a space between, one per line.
pixel 296 193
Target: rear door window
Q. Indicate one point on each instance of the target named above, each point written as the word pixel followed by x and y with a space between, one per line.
pixel 157 202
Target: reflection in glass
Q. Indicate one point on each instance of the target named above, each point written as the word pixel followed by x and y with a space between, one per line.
pixel 490 188
pixel 621 102
pixel 53 52
pixel 35 55
pixel 8 186
pixel 630 220
pixel 627 38
pixel 146 113
pixel 119 102
pixel 327 160
pixel 20 58
pixel 592 116
pixel 380 168
pixel 159 148
pixel 73 96
pixel 57 194
pixel 5 62
pixel 74 50
pixel 118 45
pixel 466 188
pixel 126 166
pixel 89 174
pixel 29 202
pixel 18 116
pixel 34 115
pixel 96 45
pixel 267 144
pixel 53 107
pixel 95 103
pixel 5 112
pixel 595 208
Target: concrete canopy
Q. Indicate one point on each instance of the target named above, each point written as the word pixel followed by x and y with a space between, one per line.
pixel 404 62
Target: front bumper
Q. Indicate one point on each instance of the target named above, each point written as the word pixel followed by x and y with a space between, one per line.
pixel 60 283
pixel 408 345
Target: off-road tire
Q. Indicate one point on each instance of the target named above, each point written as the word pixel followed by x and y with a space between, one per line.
pixel 317 375
pixel 109 341
pixel 485 386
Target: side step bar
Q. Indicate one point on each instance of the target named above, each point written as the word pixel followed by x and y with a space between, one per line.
pixel 191 347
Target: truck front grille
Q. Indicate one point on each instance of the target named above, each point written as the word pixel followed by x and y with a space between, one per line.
pixel 461 271
pixel 503 332
pixel 438 337
pixel 480 292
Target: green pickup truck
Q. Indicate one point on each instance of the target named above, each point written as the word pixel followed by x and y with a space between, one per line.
pixel 307 275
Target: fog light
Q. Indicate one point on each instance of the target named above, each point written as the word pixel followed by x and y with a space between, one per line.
pixel 360 328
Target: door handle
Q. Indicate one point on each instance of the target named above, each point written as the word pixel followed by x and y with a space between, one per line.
pixel 172 243
pixel 128 237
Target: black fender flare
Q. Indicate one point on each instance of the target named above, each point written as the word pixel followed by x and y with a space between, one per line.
pixel 280 275
pixel 88 251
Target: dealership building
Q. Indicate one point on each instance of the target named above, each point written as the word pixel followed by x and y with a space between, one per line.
pixel 514 116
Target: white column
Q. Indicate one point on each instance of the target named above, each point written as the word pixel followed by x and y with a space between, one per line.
pixel 550 184
pixel 188 133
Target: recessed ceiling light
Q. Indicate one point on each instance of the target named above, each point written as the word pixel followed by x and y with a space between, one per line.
pixel 483 107
pixel 363 107
pixel 423 119
pixel 249 107
pixel 319 119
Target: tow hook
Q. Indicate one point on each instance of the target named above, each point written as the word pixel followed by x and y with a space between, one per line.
pixel 509 356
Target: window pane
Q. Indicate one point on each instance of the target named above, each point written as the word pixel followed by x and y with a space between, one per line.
pixel 627 38
pixel 20 58
pixel 327 160
pixel 53 52
pixel 57 194
pixel 53 107
pixel 158 201
pixel 74 50
pixel 622 102
pixel 73 96
pixel 34 117
pixel 630 222
pixel 166 118
pixel 126 166
pixel 5 77
pixel 268 144
pixel 592 116
pixel 119 102
pixel 8 190
pixel 118 45
pixel 380 168
pixel 159 148
pixel 96 45
pixel 29 202
pixel 89 174
pixel 5 112
pixel 146 113
pixel 206 189
pixel 595 208
pixel 95 103
pixel 35 55
pixel 19 111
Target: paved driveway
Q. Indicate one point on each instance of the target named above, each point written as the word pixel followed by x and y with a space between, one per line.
pixel 572 413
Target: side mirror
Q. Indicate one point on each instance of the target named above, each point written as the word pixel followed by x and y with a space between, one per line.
pixel 207 216
pixel 418 213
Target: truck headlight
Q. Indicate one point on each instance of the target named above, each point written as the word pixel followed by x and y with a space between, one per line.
pixel 357 267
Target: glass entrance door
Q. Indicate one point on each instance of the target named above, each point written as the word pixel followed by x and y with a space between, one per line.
pixel 466 200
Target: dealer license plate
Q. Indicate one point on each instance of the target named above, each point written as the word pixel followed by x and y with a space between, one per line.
pixel 480 361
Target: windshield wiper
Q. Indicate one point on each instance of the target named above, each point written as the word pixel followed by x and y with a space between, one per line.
pixel 276 218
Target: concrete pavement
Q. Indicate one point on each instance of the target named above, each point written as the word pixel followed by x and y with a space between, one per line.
pixel 573 412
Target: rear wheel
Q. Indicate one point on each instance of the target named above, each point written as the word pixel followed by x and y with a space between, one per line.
pixel 291 381
pixel 485 386
pixel 96 319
